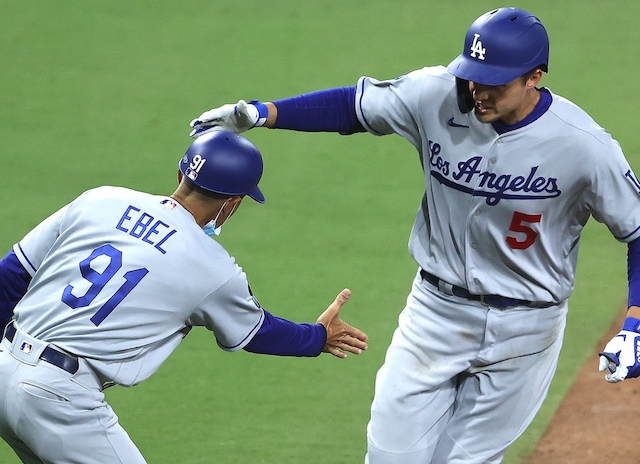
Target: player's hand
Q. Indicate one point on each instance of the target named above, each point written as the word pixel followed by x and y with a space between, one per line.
pixel 341 337
pixel 620 357
pixel 236 118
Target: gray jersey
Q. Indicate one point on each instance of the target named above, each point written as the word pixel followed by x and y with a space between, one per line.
pixel 502 214
pixel 119 277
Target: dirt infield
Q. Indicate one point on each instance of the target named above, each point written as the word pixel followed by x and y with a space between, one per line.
pixel 596 422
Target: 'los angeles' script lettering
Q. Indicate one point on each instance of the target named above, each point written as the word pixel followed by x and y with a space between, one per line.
pixel 470 179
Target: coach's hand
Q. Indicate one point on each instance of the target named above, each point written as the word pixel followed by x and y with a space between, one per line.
pixel 236 118
pixel 341 337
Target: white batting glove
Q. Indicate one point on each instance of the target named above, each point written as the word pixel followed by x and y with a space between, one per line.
pixel 621 356
pixel 234 118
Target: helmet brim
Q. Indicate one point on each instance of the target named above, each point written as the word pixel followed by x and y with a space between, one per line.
pixel 257 195
pixel 472 70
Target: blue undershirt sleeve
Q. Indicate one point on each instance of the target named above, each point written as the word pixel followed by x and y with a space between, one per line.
pixel 14 280
pixel 282 337
pixel 330 110
pixel 633 270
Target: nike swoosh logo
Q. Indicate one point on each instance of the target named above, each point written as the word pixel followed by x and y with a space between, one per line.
pixel 451 123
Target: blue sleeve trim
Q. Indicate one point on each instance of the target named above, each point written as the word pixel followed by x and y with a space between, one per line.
pixel 633 271
pixel 250 334
pixel 330 110
pixel 359 108
pixel 14 281
pixel 282 337
pixel 628 235
pixel 24 255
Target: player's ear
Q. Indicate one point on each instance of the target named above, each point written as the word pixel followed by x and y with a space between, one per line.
pixel 534 78
pixel 236 200
pixel 179 176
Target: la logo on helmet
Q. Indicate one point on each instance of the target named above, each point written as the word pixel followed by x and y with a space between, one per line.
pixel 477 48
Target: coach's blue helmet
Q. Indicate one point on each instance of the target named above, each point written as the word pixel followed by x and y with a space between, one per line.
pixel 225 163
pixel 500 46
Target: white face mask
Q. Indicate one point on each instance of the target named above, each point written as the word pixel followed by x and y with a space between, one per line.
pixel 210 227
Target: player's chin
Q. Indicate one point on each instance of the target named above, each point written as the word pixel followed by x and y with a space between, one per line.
pixel 486 115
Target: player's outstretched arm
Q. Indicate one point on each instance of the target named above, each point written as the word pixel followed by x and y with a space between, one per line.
pixel 341 337
pixel 329 110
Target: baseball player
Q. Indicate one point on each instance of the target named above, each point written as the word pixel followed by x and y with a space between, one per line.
pixel 116 279
pixel 512 174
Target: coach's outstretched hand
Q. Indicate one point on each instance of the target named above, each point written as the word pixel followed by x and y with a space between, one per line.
pixel 341 337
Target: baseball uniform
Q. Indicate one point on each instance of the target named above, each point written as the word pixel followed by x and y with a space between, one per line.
pixel 501 215
pixel 149 275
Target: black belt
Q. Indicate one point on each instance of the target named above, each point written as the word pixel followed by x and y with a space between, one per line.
pixel 50 355
pixel 487 300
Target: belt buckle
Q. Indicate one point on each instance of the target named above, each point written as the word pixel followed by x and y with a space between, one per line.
pixel 508 303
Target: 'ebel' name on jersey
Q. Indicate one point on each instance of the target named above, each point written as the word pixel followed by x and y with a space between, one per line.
pixel 144 226
pixel 469 179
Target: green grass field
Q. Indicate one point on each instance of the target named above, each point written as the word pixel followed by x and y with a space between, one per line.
pixel 101 93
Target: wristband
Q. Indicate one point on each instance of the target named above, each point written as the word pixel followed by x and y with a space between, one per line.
pixel 263 113
pixel 631 324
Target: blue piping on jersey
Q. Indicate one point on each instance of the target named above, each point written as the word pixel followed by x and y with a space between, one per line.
pixel 622 239
pixel 26 258
pixel 250 334
pixel 361 113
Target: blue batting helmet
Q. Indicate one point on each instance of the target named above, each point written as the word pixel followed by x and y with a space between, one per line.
pixel 500 46
pixel 224 162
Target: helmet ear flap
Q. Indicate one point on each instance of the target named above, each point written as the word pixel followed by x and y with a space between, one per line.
pixel 465 99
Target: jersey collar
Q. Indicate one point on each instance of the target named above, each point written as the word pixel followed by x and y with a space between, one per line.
pixel 543 105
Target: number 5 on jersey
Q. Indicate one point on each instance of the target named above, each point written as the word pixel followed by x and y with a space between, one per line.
pixel 98 281
pixel 520 222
